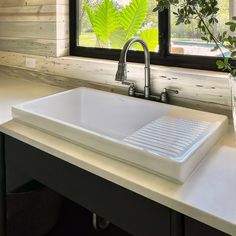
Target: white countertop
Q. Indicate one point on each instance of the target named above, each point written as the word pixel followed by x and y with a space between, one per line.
pixel 209 194
pixel 15 91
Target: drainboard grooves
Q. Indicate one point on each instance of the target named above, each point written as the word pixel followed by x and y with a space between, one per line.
pixel 168 136
pixel 159 140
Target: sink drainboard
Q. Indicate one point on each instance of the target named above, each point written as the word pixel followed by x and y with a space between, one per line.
pixel 168 136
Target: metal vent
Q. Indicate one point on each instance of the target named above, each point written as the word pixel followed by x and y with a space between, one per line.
pixel 167 136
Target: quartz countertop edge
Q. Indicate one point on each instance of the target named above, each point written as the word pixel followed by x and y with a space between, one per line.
pixel 187 198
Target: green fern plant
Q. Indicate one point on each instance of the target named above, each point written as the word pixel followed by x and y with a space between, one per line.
pixel 104 20
pixel 132 17
pixel 151 37
pixel 113 27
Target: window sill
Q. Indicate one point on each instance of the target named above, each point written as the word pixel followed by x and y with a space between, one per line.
pixel 163 69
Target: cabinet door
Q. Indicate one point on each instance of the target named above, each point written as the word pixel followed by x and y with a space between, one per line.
pixel 196 228
pixel 128 210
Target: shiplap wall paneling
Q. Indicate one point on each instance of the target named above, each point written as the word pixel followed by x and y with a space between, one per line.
pixel 35 27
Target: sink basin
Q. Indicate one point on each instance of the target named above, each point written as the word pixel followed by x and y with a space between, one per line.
pixel 163 139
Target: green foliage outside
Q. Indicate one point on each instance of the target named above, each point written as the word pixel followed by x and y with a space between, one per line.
pixel 189 32
pixel 114 25
pixel 205 13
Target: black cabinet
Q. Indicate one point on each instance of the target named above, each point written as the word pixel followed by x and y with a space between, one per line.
pixel 195 228
pixel 128 210
pixel 124 208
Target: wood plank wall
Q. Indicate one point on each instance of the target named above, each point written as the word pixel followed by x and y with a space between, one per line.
pixel 37 27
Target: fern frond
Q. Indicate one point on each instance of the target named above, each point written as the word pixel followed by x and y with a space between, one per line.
pixel 106 21
pixel 132 17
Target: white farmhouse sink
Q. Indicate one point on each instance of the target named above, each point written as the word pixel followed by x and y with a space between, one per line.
pixel 160 138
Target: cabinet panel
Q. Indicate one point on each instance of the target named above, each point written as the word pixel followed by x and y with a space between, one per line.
pixel 124 208
pixel 196 228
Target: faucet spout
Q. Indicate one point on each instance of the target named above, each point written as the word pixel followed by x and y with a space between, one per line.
pixel 121 74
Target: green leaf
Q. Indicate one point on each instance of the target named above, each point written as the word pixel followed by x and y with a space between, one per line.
pixel 220 64
pixel 226 60
pixel 233 54
pixel 132 17
pixel 106 21
pixel 118 38
pixel 150 36
pixel 233 73
pixel 155 9
pixel 90 13
pixel 232 28
pixel 204 38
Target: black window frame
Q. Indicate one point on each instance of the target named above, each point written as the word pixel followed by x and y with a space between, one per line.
pixel 163 57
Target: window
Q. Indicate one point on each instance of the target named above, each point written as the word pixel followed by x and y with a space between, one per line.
pixel 110 23
pixel 99 28
pixel 186 39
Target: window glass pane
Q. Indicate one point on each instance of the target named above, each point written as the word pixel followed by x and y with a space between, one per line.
pixel 186 39
pixel 110 23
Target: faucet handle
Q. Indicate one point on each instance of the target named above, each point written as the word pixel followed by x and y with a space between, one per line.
pixel 171 91
pixel 131 90
pixel 126 82
pixel 164 97
pixel 129 82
